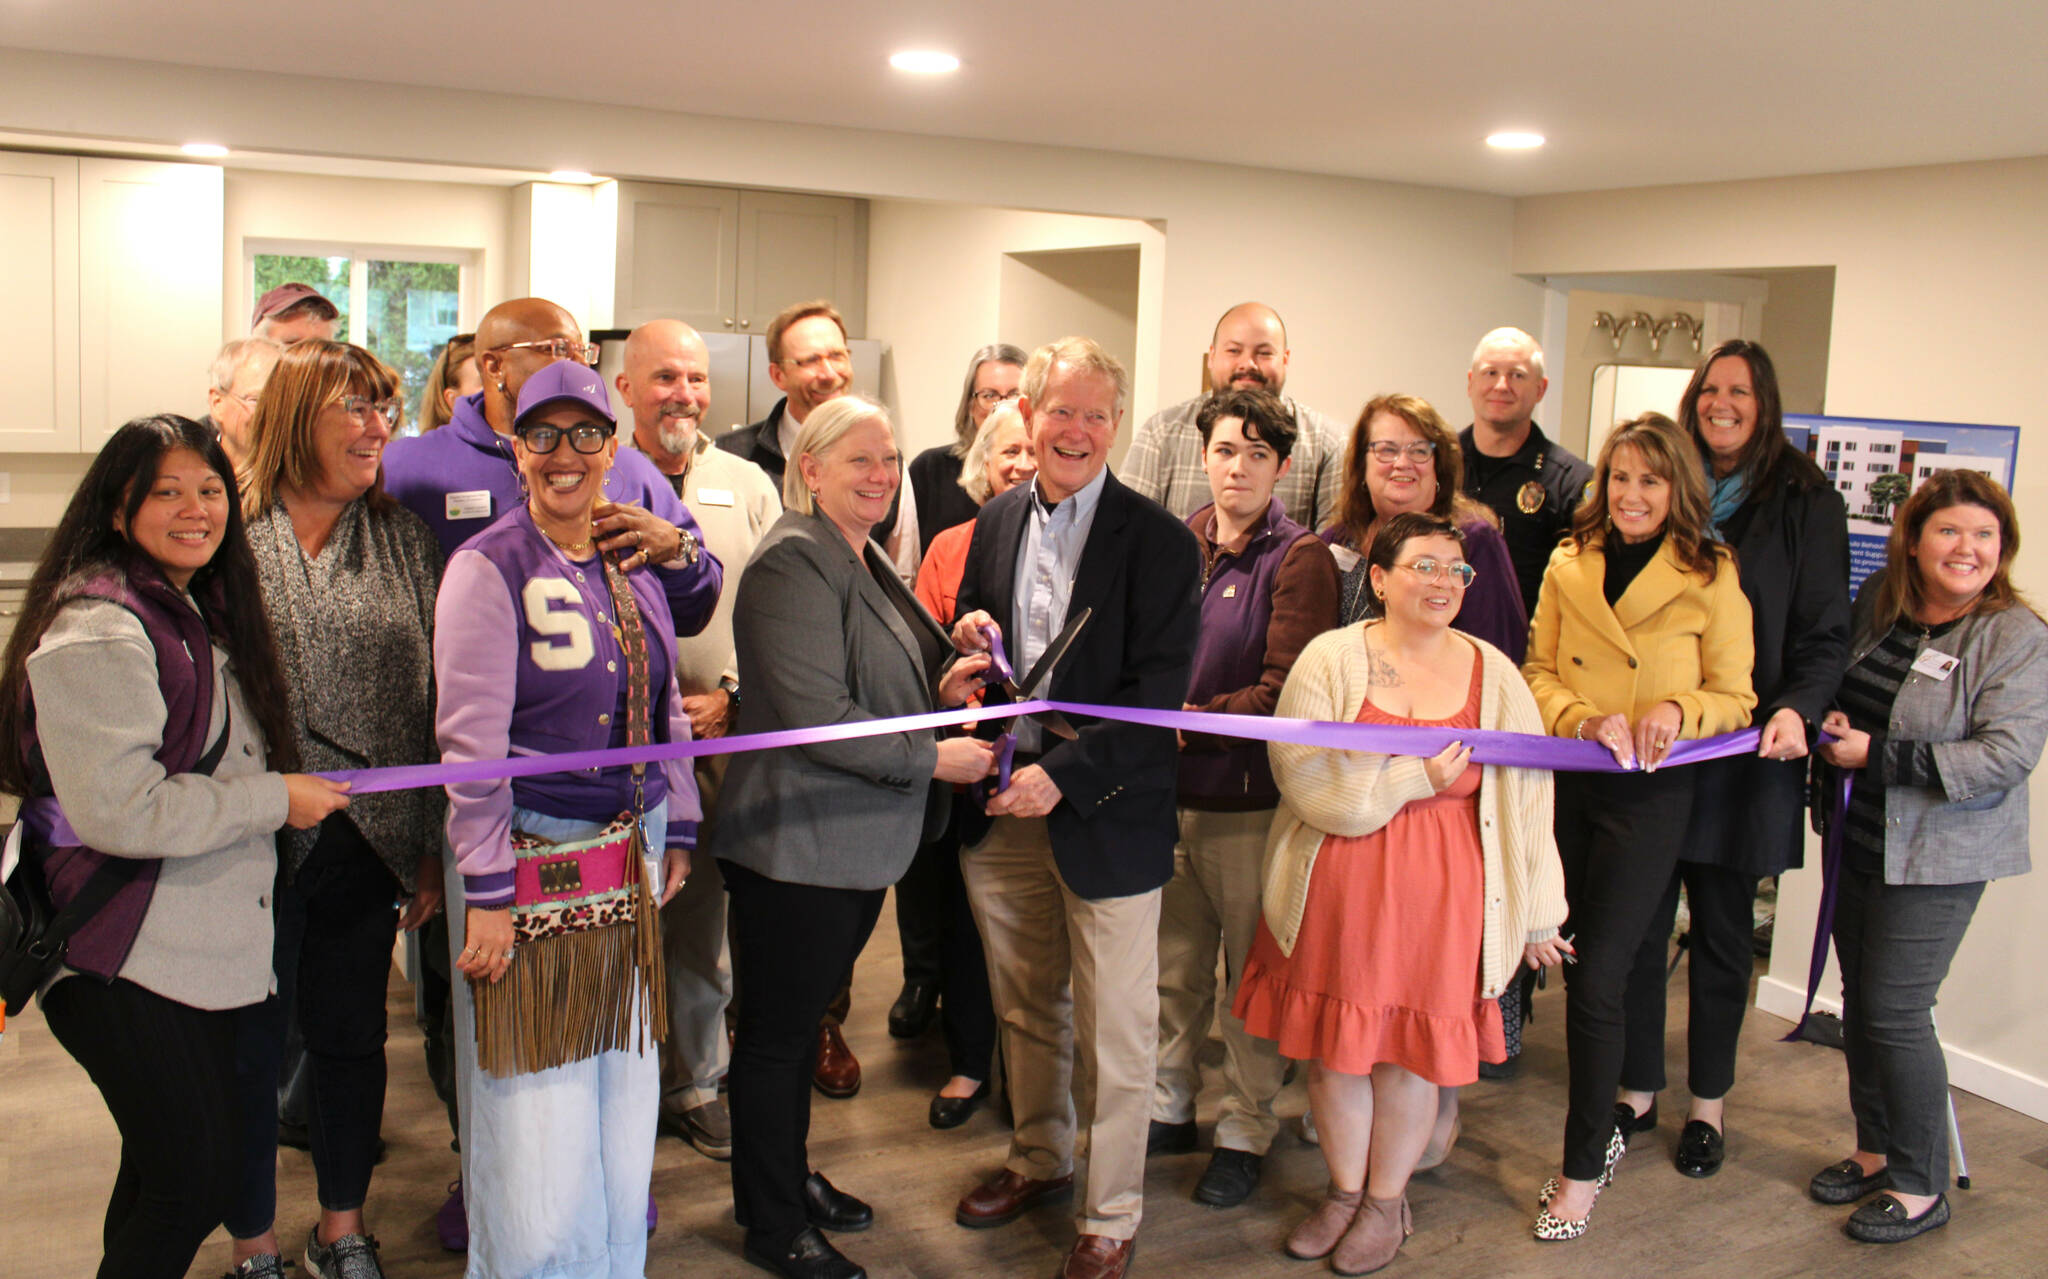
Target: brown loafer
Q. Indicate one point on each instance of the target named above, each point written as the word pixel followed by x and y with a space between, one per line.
pixel 1006 1197
pixel 1098 1257
pixel 837 1073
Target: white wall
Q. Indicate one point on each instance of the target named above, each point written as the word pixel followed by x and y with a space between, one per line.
pixel 1383 286
pixel 266 205
pixel 1938 286
pixel 935 294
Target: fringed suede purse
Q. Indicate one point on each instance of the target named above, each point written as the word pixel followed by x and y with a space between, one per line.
pixel 586 973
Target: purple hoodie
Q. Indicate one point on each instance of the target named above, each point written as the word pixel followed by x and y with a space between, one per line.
pixel 461 478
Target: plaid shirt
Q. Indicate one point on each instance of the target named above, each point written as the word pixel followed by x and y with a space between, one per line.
pixel 1165 464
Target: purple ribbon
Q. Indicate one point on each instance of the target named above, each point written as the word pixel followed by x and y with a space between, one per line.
pixel 47 822
pixel 1830 883
pixel 1513 750
pixel 999 671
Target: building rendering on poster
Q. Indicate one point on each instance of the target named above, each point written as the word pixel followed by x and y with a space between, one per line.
pixel 1875 464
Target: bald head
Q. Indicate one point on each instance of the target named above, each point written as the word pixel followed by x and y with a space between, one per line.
pixel 667 384
pixel 504 369
pixel 1505 384
pixel 1248 350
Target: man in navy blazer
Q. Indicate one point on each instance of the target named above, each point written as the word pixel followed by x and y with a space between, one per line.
pixel 1065 867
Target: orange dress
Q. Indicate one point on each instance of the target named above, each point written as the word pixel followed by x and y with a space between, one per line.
pixel 1386 966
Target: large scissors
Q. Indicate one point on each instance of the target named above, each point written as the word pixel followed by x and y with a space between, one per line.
pixel 1036 680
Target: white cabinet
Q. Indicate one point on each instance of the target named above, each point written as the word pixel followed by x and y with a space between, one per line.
pixel 725 260
pixel 113 277
pixel 149 289
pixel 39 323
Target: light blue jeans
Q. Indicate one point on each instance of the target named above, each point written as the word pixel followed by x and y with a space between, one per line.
pixel 555 1165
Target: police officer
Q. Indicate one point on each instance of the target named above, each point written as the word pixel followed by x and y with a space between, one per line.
pixel 1531 482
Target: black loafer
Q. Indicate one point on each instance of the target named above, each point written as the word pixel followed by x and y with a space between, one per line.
pixel 829 1208
pixel 1845 1183
pixel 1630 1123
pixel 1171 1139
pixel 809 1256
pixel 1229 1179
pixel 1700 1149
pixel 951 1112
pixel 911 1014
pixel 1884 1220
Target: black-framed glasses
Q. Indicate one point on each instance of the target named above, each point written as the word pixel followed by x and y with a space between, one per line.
pixel 359 408
pixel 1387 452
pixel 582 352
pixel 1433 570
pixel 584 437
pixel 988 397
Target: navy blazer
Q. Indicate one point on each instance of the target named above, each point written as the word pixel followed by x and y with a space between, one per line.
pixel 1114 829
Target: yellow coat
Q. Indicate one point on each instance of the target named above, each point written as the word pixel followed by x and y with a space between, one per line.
pixel 1670 637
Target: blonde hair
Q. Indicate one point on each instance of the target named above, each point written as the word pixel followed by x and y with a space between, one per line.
pixel 826 425
pixel 309 376
pixel 1668 454
pixel 1080 355
pixel 974 467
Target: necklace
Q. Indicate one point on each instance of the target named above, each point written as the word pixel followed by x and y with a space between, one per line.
pixel 567 548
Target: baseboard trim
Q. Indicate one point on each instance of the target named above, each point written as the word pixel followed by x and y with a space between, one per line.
pixel 1991 1080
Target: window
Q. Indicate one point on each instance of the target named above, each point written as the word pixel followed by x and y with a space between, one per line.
pixel 402 304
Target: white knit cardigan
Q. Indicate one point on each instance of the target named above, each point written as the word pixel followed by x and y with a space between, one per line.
pixel 1351 793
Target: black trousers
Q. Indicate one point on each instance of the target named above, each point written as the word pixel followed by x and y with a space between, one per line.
pixel 921 909
pixel 1895 942
pixel 167 1073
pixel 336 923
pixel 1619 841
pixel 1720 959
pixel 793 950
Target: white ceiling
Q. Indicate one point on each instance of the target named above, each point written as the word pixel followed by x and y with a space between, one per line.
pixel 1630 92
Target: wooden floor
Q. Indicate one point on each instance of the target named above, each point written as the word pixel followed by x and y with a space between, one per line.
pixel 1753 1221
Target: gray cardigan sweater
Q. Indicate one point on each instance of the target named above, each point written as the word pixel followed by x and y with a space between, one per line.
pixel 206 939
pixel 1986 722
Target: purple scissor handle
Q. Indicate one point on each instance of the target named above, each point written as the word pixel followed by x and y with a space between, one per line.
pixel 999 669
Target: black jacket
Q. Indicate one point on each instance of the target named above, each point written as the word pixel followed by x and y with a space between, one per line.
pixel 935 486
pixel 761 443
pixel 1794 563
pixel 1141 571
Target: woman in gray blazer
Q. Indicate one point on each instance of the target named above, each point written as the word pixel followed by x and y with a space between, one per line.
pixel 1941 720
pixel 810 837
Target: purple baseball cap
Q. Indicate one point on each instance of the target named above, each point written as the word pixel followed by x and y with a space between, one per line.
pixel 286 296
pixel 564 382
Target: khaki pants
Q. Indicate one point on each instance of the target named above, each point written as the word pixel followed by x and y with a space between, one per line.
pixel 1076 986
pixel 1212 902
pixel 699 966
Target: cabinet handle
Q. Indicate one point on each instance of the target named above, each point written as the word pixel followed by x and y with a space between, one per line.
pixel 728 321
pixel 746 324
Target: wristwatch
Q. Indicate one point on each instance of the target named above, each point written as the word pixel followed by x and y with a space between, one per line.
pixel 686 549
pixel 732 690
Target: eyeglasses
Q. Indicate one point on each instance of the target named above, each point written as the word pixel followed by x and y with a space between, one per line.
pixel 557 348
pixel 1386 452
pixel 359 408
pixel 839 359
pixel 584 437
pixel 1433 570
pixel 989 397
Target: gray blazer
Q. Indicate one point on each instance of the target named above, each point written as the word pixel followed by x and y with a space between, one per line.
pixel 821 640
pixel 1987 721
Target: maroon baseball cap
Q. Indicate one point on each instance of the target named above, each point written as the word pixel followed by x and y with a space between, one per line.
pixel 286 296
pixel 564 381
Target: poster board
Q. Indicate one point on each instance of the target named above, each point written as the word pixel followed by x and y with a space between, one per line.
pixel 1876 463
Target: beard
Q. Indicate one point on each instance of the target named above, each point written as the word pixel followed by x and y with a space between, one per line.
pixel 677 431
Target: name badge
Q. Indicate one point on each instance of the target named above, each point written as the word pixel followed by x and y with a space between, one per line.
pixel 715 497
pixel 1230 591
pixel 1347 559
pixel 472 505
pixel 1935 664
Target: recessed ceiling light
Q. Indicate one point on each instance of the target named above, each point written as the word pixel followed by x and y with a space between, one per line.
pixel 570 175
pixel 204 150
pixel 1512 141
pixel 924 62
